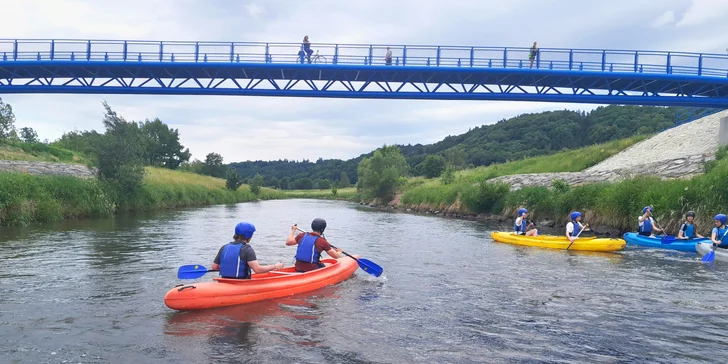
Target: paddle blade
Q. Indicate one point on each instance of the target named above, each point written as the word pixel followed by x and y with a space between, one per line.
pixel 370 267
pixel 708 258
pixel 191 271
pixel 668 239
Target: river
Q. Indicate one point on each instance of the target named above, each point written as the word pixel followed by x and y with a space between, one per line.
pixel 91 291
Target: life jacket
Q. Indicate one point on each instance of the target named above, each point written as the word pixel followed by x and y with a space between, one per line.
pixel 230 264
pixel 306 251
pixel 688 230
pixel 722 236
pixel 577 228
pixel 520 228
pixel 646 225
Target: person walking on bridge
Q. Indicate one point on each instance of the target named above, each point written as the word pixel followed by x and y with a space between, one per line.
pixel 388 57
pixel 533 53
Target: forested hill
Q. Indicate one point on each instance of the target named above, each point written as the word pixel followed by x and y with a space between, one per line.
pixel 522 136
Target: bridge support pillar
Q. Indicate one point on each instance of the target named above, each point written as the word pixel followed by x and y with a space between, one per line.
pixel 723 131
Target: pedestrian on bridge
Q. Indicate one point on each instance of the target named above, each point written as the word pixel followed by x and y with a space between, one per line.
pixel 533 53
pixel 388 57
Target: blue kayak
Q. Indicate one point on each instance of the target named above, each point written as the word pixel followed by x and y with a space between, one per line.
pixel 663 242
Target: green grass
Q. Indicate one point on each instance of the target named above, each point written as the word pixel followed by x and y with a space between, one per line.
pixel 37 152
pixel 26 199
pixel 348 193
pixel 465 190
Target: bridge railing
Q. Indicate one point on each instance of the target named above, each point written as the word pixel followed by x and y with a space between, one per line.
pixel 358 54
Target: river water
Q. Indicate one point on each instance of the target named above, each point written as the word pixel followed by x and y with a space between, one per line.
pixel 91 292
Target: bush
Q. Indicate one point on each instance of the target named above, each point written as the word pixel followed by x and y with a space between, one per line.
pixel 487 197
pixel 256 184
pixel 448 176
pixel 381 174
pixel 233 179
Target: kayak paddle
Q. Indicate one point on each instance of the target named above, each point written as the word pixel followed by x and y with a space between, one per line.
pixel 667 239
pixel 710 257
pixel 365 264
pixel 192 271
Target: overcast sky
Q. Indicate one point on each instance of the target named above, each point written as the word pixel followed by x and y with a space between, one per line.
pixel 252 128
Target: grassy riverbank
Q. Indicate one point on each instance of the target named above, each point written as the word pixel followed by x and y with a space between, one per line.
pixel 26 199
pixel 348 193
pixel 466 191
pixel 37 152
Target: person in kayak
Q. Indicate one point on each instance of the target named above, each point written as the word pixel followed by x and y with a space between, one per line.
pixel 719 235
pixel 575 226
pixel 522 225
pixel 646 222
pixel 687 229
pixel 310 246
pixel 237 259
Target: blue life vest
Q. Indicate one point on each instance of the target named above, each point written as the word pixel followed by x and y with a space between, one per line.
pixel 721 235
pixel 520 228
pixel 577 228
pixel 230 264
pixel 688 230
pixel 646 226
pixel 306 251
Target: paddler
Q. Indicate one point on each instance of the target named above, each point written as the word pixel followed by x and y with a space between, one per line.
pixel 687 228
pixel 575 226
pixel 522 225
pixel 719 234
pixel 310 246
pixel 646 222
pixel 237 258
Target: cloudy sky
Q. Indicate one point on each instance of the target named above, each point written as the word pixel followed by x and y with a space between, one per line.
pixel 253 128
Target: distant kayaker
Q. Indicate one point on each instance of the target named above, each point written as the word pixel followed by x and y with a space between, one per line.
pixel 646 222
pixel 310 246
pixel 237 259
pixel 687 229
pixel 574 227
pixel 719 235
pixel 522 226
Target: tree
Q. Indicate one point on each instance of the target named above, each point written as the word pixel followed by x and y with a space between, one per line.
pixel 120 154
pixel 233 179
pixel 344 180
pixel 7 120
pixel 432 166
pixel 456 157
pixel 303 183
pixel 285 183
pixel 29 135
pixel 256 183
pixel 334 190
pixel 163 146
pixel 323 184
pixel 213 165
pixel 381 174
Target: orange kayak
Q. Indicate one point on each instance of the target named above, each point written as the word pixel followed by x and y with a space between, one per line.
pixel 285 282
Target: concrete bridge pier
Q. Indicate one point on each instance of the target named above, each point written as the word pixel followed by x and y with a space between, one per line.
pixel 723 131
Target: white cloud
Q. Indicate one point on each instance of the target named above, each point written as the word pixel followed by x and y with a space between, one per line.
pixel 664 19
pixel 254 10
pixel 701 11
pixel 242 128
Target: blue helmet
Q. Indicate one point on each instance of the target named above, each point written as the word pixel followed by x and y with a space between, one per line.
pixel 575 215
pixel 721 218
pixel 522 211
pixel 645 209
pixel 245 229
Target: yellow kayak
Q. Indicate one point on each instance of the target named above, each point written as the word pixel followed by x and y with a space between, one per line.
pixel 560 242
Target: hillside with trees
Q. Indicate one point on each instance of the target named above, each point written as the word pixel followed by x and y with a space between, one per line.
pixel 516 138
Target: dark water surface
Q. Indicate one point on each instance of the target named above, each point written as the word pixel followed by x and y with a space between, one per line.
pixel 91 292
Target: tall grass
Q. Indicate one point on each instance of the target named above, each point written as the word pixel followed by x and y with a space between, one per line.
pixel 26 199
pixel 348 193
pixel 16 150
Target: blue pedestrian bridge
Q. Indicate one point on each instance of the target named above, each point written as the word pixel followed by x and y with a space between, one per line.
pixel 638 77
